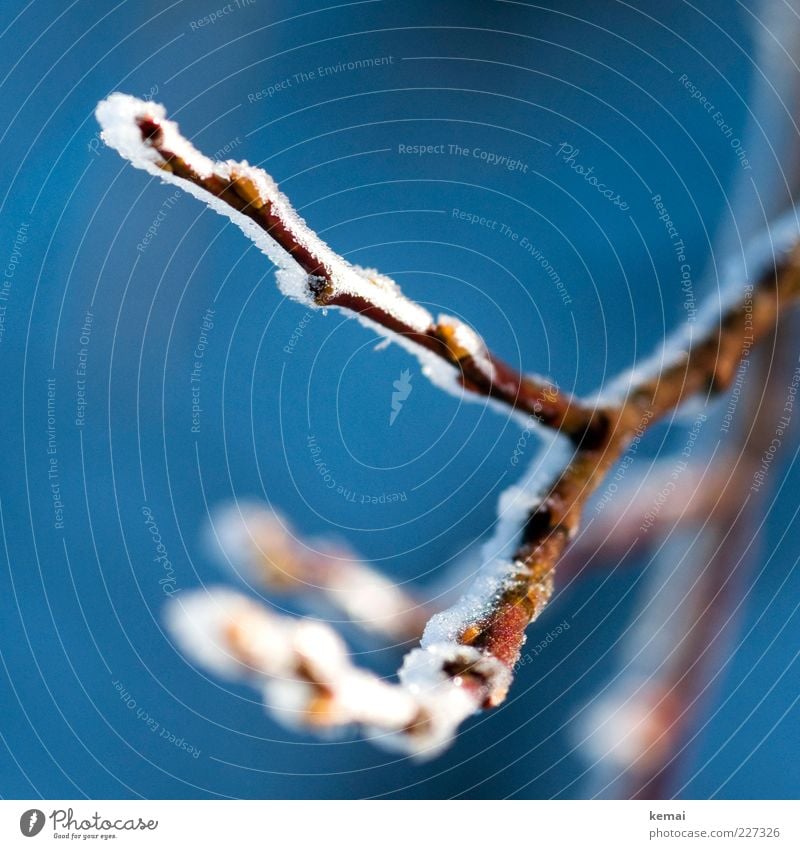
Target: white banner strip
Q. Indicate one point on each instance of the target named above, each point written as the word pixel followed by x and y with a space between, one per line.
pixel 402 824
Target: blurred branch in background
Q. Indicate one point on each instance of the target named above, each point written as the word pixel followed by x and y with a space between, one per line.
pixel 261 547
pixel 703 564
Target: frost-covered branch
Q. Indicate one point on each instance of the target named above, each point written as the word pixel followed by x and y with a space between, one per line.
pixel 467 652
pixel 451 352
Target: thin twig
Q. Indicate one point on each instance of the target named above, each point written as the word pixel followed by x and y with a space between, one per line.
pixel 330 281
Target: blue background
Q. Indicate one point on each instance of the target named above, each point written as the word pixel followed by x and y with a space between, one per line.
pixel 80 608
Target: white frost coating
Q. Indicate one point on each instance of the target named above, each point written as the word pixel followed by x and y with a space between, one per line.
pixel 355 696
pixel 426 740
pixel 118 115
pixel 469 341
pixel 321 649
pixel 436 369
pixel 423 669
pixel 268 647
pixel 762 253
pixel 386 294
pixel 286 701
pixel 445 702
pixel 237 638
pixel 446 627
pixel 373 701
pixel 198 621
